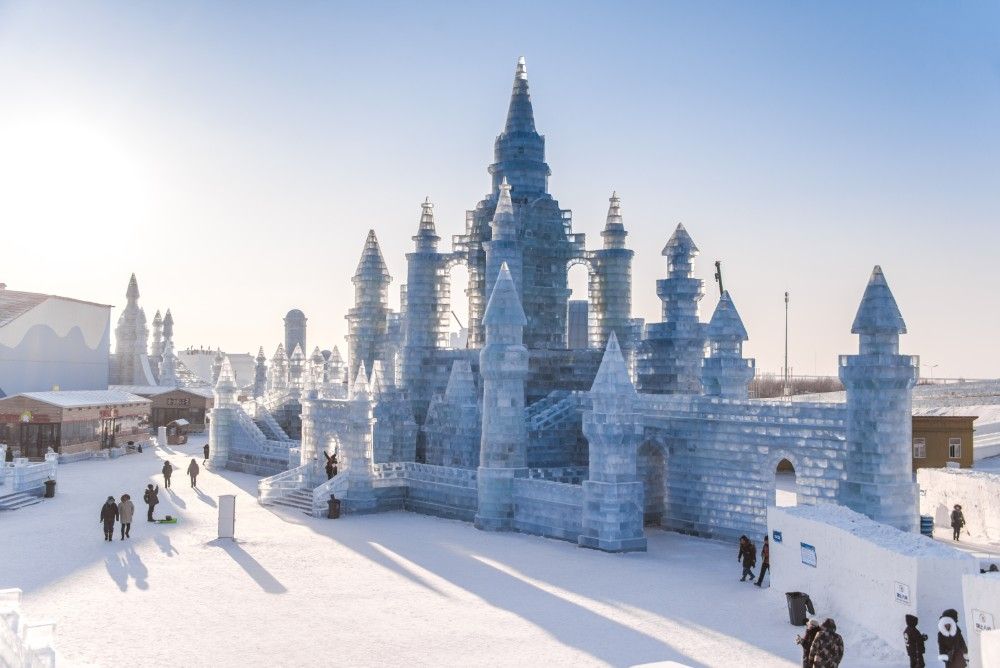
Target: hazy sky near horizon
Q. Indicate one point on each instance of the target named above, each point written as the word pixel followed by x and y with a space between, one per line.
pixel 234 155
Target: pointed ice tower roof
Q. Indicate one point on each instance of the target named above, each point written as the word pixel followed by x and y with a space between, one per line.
pixel 461 386
pixel 261 357
pixel 878 312
pixel 726 324
pixel 520 115
pixel 504 225
pixel 359 389
pixel 279 353
pixel 504 307
pixel 132 292
pixel 335 357
pixel 612 376
pixel 376 383
pixel 614 229
pixel 317 356
pixel 297 354
pixel 226 375
pixel 372 265
pixel 680 243
pixel 426 238
pixel 168 325
pixel 157 319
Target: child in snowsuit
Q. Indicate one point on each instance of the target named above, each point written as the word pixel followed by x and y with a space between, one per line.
pixel 748 556
pixel 765 564
pixel 951 645
pixel 193 472
pixel 827 648
pixel 806 640
pixel 125 511
pixel 151 497
pixel 167 470
pixel 957 522
pixel 914 642
pixel 109 514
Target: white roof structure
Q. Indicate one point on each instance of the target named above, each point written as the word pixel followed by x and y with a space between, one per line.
pixel 155 390
pixel 84 398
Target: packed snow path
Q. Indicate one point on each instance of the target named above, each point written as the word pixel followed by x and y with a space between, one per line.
pixel 391 589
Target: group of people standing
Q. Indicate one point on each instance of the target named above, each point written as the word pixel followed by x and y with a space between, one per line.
pixel 822 646
pixel 192 470
pixel 747 556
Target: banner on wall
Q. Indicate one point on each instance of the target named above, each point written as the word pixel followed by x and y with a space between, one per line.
pixel 808 554
pixel 902 593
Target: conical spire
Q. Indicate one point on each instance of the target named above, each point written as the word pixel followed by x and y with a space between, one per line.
pixel 297 354
pixel 612 376
pixel 261 357
pixel 878 312
pixel 680 243
pixel 461 385
pixel 726 324
pixel 157 319
pixel 614 229
pixel 279 353
pixel 520 116
pixel 504 307
pixel 168 325
pixel 359 390
pixel 427 238
pixel 335 357
pixel 372 264
pixel 132 292
pixel 504 225
pixel 225 386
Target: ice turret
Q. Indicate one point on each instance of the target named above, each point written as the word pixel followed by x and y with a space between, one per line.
pixel 278 373
pixel 168 366
pixel 503 248
pixel 156 349
pixel 503 364
pixel 168 326
pixel 130 365
pixel 426 238
pixel 297 368
pixel 217 364
pixel 225 387
pixel 368 319
pixel 132 291
pixel 611 285
pixel 260 374
pixel 452 428
pixel 519 150
pixel 295 329
pixel 879 383
pixel 613 495
pixel 725 373
pixel 669 357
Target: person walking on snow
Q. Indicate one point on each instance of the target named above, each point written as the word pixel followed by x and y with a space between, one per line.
pixel 152 497
pixel 827 648
pixel 765 564
pixel 109 513
pixel 914 642
pixel 167 470
pixel 205 449
pixel 952 649
pixel 748 557
pixel 193 472
pixel 806 640
pixel 957 522
pixel 125 511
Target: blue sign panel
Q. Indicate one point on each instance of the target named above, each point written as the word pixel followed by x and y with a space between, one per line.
pixel 776 536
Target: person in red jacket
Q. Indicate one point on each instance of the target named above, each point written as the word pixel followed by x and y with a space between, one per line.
pixel 765 564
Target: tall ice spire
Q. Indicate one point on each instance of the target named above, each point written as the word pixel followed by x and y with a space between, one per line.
pixel 519 151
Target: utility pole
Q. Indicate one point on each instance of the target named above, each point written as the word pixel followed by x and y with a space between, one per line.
pixel 718 276
pixel 785 383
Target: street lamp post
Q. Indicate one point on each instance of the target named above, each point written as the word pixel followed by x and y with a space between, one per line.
pixel 784 384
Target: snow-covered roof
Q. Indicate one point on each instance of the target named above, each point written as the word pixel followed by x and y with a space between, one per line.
pixel 156 390
pixel 84 398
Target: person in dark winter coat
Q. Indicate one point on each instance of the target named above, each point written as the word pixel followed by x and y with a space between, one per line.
pixel 109 514
pixel 914 642
pixel 957 522
pixel 806 640
pixel 152 497
pixel 827 648
pixel 193 472
pixel 952 649
pixel 765 564
pixel 167 470
pixel 205 449
pixel 331 465
pixel 125 511
pixel 748 557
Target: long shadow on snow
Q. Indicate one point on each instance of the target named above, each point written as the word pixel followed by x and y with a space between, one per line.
pixel 253 568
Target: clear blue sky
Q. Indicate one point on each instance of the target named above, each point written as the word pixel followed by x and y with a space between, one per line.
pixel 234 155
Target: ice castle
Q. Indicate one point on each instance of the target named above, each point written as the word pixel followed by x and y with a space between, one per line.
pixel 649 426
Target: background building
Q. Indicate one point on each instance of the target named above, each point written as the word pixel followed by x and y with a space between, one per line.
pixel 47 342
pixel 940 440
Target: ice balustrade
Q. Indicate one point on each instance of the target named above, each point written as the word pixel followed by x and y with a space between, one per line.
pixel 23 644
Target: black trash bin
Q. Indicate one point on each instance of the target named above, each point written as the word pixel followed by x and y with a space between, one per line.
pixel 50 489
pixel 333 508
pixel 798 603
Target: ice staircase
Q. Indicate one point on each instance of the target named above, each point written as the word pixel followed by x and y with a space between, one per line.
pixel 265 421
pixel 300 499
pixel 290 489
pixel 549 412
pixel 18 500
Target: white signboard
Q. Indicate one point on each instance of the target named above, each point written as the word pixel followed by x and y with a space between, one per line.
pixel 808 554
pixel 227 516
pixel 902 593
pixel 982 621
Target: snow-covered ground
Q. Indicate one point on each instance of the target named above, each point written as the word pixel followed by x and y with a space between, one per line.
pixel 390 589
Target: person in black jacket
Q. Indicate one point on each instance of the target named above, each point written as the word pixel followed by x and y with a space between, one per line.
pixel 193 472
pixel 167 470
pixel 748 556
pixel 152 497
pixel 109 515
pixel 951 645
pixel 205 449
pixel 957 522
pixel 765 563
pixel 806 640
pixel 914 642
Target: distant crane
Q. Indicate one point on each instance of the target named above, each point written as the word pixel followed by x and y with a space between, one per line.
pixel 460 325
pixel 718 276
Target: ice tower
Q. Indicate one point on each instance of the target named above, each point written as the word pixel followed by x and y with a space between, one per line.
pixel 879 383
pixel 367 320
pixel 725 372
pixel 611 284
pixel 131 361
